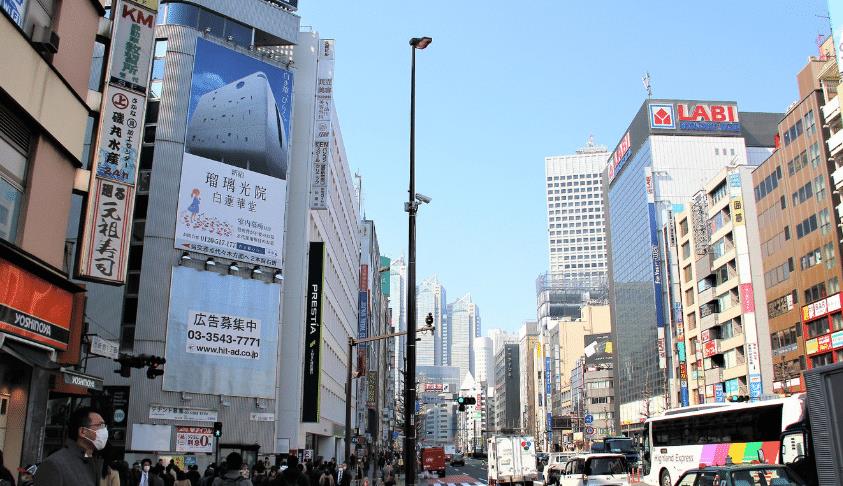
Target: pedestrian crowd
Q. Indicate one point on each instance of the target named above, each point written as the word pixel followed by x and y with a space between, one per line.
pixel 81 462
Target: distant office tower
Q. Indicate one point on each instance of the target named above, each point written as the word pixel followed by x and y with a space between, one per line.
pixel 575 219
pixel 463 322
pixel 430 299
pixel 484 361
pixel 398 314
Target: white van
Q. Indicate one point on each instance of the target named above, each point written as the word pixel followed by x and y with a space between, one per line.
pixel 595 470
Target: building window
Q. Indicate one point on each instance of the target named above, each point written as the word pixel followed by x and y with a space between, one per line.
pixel 156 83
pixel 821 360
pixel 815 293
pixel 15 140
pixel 816 328
pixel 837 322
pixel 810 125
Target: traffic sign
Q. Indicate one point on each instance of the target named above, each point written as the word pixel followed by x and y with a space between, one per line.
pixel 589 418
pixel 589 430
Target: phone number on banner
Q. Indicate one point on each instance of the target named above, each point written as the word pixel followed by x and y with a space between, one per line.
pixel 229 335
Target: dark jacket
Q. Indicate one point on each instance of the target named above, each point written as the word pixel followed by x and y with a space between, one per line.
pixel 68 466
pixel 232 477
pixel 152 479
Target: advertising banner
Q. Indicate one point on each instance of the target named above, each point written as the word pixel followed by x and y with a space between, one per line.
pixel 313 333
pixel 233 187
pixel 33 308
pixel 598 348
pixel 105 255
pixel 194 439
pixel 747 298
pixel 131 46
pixel 362 330
pixel 385 262
pixel 547 377
pixel 222 334
pixel 656 266
pixel 372 395
pixel 322 128
pixel 15 10
pixel 105 237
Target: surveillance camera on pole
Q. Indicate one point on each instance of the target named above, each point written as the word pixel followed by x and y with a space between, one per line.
pixel 423 199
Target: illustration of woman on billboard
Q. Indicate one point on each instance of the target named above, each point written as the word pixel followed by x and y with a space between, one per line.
pixel 194 206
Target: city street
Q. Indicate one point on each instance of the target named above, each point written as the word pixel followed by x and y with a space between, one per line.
pixel 474 472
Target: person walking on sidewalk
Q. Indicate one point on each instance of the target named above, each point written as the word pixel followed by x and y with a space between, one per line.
pixel 75 463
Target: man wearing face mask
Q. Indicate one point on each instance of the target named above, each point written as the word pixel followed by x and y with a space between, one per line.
pixel 147 477
pixel 75 463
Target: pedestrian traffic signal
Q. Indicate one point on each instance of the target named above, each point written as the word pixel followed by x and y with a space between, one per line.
pixel 217 429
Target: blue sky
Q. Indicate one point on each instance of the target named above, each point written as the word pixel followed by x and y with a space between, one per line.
pixel 505 84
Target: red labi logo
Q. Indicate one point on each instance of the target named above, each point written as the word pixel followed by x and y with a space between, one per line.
pixel 662 117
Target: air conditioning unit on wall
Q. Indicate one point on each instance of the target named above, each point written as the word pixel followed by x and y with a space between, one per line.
pixel 44 39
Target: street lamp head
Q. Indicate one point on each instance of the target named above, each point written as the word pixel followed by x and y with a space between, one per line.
pixel 420 42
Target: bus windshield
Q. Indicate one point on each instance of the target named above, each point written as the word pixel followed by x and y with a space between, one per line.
pixel 620 445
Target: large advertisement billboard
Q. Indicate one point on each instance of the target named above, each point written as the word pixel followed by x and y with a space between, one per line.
pixel 598 349
pixel 222 334
pixel 313 333
pixel 237 146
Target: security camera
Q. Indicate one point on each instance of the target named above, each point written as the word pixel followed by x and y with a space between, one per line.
pixel 422 198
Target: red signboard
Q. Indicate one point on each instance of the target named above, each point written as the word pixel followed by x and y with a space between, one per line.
pixel 710 348
pixel 706 112
pixel 747 298
pixel 824 343
pixel 683 371
pixel 364 277
pixel 33 308
pixel 705 335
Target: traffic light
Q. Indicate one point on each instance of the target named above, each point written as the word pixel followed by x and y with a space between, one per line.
pixel 154 366
pixel 217 429
pixel 463 401
pixel 739 398
pixel 429 319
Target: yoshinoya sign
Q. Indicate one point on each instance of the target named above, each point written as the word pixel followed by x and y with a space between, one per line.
pixel 80 379
pixel 695 117
pixel 313 333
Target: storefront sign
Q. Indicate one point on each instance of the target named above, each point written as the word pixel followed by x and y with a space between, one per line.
pixel 194 439
pixel 105 246
pixel 824 343
pixel 183 414
pixel 620 156
pixel 313 334
pixel 33 308
pixel 372 398
pixel 80 379
pixel 779 306
pixel 737 212
pixel 837 339
pixel 747 298
pixel 120 134
pixel 811 346
pixel 707 117
pixel 104 347
pixel 821 308
pixel 262 417
pixel 710 348
pixel 15 10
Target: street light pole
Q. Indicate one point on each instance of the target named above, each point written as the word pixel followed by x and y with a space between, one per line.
pixel 411 207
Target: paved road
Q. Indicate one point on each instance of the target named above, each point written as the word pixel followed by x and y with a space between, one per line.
pixel 473 473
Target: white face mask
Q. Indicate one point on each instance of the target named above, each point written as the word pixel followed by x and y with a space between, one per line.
pixel 101 438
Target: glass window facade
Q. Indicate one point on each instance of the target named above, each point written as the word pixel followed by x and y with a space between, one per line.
pixel 631 283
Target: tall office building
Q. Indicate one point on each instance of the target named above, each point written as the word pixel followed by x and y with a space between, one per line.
pixel 528 343
pixel 506 416
pixel 398 315
pixel 463 323
pixel 670 150
pixel 430 299
pixel 575 222
pixel 484 361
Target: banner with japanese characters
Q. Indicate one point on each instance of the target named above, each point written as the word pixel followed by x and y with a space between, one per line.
pixel 104 257
pixel 222 334
pixel 194 439
pixel 232 196
pixel 322 125
pixel 104 248
pixel 230 212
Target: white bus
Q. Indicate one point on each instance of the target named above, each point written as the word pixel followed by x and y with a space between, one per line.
pixel 715 434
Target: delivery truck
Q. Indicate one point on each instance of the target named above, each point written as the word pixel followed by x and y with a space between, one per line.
pixel 433 460
pixel 512 459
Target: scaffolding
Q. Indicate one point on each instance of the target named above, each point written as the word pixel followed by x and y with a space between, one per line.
pixel 559 295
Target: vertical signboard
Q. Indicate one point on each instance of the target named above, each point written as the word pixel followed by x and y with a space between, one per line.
pixel 656 264
pixel 322 125
pixel 233 185
pixel 222 334
pixel 313 333
pixel 105 237
pixel 384 272
pixel 362 330
pixel 372 395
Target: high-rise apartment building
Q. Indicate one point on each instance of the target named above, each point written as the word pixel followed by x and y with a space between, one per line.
pixel 462 326
pixel 575 221
pixel 722 339
pixel 670 150
pixel 430 299
pixel 398 315
pixel 484 361
pixel 799 232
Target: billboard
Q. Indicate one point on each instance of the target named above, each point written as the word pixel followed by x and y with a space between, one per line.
pixel 233 186
pixel 322 125
pixel 222 334
pixel 598 348
pixel 313 333
pixel 194 439
pixel 105 236
pixel 694 116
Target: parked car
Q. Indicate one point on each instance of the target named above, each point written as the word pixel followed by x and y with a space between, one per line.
pixel 556 461
pixel 595 470
pixel 458 460
pixel 741 475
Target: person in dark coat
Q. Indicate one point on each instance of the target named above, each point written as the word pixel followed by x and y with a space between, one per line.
pixel 75 464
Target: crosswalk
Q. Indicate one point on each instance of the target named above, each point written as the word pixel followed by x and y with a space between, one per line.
pixel 461 480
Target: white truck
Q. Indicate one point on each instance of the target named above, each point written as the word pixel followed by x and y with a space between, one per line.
pixel 512 459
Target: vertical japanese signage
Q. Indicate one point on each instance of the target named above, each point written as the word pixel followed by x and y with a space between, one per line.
pixel 372 395
pixel 362 329
pixel 655 252
pixel 105 240
pixel 322 128
pixel 232 194
pixel 222 334
pixel 313 333
pixel 384 272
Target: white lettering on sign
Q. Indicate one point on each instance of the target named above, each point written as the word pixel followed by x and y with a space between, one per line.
pixel 33 325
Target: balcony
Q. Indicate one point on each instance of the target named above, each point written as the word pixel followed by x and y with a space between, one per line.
pixel 706 296
pixel 831 109
pixel 835 143
pixel 709 319
pixel 702 266
pixel 737 371
pixel 714 375
pixel 837 177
